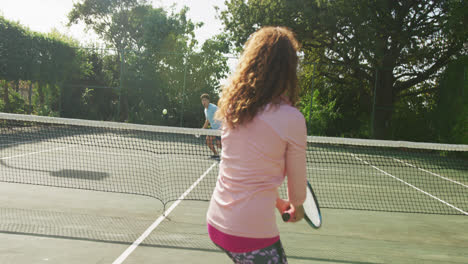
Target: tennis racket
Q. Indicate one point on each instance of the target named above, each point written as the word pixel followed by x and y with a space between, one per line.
pixel 311 210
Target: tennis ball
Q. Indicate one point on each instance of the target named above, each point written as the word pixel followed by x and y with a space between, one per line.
pixel 164 111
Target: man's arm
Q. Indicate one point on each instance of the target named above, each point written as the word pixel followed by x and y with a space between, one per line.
pixel 206 124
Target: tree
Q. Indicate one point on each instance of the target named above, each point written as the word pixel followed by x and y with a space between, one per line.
pixel 12 46
pixel 451 113
pixel 136 30
pixel 398 45
pixel 35 58
pixel 158 58
pixel 204 70
pixel 113 21
pixel 110 19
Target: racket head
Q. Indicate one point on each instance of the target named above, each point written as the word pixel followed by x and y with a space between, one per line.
pixel 312 213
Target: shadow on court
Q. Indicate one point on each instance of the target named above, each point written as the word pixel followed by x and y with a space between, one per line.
pixel 78 226
pixel 64 173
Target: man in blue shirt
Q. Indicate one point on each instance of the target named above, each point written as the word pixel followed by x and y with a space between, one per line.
pixel 210 110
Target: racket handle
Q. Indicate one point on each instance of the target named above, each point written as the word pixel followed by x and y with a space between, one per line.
pixel 287 215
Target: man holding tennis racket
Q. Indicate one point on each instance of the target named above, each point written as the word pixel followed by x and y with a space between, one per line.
pixel 264 139
pixel 210 110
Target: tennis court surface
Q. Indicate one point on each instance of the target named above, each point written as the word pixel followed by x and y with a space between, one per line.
pixel 76 191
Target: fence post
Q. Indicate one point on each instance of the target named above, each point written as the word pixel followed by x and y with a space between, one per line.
pixel 183 94
pixel 373 103
pixel 121 51
pixel 311 98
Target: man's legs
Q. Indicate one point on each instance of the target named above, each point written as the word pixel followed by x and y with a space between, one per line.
pixel 209 142
pixel 218 142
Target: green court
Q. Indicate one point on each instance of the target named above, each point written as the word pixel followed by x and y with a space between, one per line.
pixel 92 192
pixel 93 226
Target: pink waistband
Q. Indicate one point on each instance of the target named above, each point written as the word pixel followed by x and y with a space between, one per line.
pixel 239 244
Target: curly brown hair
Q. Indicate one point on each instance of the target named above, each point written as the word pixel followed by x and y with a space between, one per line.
pixel 266 71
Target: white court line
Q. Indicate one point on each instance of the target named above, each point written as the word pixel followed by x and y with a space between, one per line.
pixel 412 186
pixel 150 229
pixel 432 173
pixel 21 143
pixel 98 152
pixel 315 168
pixel 32 153
pixel 137 155
pixel 14 143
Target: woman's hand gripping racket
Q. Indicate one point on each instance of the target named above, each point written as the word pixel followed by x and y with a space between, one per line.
pixel 311 210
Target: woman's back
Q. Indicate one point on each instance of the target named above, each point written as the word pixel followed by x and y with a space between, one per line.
pixel 253 167
pixel 264 139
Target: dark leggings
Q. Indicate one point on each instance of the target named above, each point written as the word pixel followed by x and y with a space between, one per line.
pixel 273 254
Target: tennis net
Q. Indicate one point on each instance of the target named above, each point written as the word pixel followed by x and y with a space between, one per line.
pixel 164 162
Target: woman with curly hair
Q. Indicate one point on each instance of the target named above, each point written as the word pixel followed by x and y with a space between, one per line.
pixel 264 140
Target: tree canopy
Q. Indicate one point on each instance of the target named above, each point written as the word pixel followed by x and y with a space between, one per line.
pixel 152 62
pixel 382 69
pixel 396 46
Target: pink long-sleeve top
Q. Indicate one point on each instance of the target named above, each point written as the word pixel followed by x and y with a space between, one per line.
pixel 256 157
